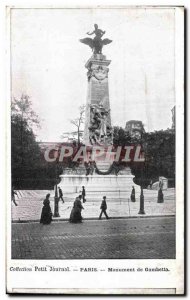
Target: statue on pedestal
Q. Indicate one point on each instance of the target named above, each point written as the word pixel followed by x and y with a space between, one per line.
pixel 96 44
pixel 98 171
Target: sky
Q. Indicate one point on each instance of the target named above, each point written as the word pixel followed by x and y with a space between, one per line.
pixel 48 64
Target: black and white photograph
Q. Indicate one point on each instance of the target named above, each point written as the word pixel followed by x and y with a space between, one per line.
pixel 95 115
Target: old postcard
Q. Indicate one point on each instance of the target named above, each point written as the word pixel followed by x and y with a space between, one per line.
pixel 95 143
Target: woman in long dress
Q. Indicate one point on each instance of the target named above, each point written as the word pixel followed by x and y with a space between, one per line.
pixel 133 195
pixel 75 216
pixel 46 215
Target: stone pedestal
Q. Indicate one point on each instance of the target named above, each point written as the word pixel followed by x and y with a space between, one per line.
pixel 97 186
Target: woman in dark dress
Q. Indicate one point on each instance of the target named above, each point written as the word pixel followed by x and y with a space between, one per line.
pixel 133 195
pixel 160 196
pixel 75 216
pixel 46 215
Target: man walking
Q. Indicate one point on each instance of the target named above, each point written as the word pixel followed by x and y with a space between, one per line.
pixel 103 208
pixel 61 194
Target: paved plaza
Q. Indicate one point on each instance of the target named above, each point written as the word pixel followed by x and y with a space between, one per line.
pixel 125 235
pixel 132 238
pixel 30 205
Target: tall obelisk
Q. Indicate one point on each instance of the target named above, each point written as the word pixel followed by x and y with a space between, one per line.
pixel 97 119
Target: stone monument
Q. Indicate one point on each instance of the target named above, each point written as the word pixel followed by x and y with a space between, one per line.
pixel 98 120
pixel 105 178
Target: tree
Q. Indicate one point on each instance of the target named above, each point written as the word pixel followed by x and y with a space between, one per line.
pixel 23 108
pixel 121 137
pixel 25 152
pixel 23 114
pixel 30 170
pixel 159 153
pixel 158 148
pixel 79 121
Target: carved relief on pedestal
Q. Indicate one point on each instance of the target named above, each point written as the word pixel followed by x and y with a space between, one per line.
pixel 100 131
pixel 98 71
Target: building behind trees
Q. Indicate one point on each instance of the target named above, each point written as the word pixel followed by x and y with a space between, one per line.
pixel 135 128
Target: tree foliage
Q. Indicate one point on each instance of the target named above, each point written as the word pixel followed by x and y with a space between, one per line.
pixel 25 152
pixel 121 137
pixel 159 153
pixel 30 170
pixel 158 148
pixel 22 109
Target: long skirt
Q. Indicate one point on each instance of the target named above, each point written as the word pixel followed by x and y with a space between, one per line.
pixel 46 215
pixel 75 216
pixel 160 197
pixel 133 197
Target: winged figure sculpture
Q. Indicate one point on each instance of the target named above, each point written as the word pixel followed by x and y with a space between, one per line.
pixel 96 44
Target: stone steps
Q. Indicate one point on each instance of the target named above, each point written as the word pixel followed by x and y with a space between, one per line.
pixel 120 197
pixel 31 210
